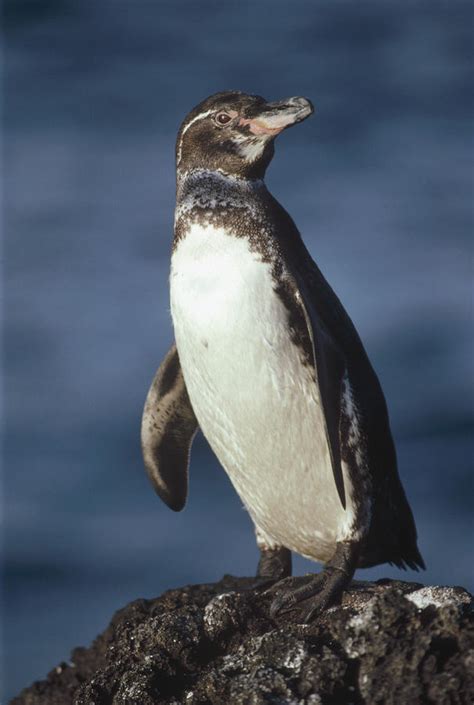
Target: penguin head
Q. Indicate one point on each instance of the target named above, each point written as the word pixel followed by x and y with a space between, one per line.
pixel 233 132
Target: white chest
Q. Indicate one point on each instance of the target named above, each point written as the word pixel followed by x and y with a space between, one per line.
pixel 255 401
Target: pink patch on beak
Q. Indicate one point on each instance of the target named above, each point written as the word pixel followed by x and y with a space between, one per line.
pixel 258 126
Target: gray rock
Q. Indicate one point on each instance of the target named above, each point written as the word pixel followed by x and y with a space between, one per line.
pixel 388 642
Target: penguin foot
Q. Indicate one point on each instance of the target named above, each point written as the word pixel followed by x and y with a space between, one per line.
pixel 288 596
pixel 326 588
pixel 274 564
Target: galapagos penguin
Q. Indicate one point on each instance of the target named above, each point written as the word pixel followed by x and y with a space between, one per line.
pixel 268 364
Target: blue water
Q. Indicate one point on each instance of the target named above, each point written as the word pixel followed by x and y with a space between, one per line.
pixel 380 184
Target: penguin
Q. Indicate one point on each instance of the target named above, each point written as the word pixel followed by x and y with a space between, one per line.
pixel 268 364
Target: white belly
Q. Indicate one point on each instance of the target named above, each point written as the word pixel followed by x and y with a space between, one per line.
pixel 256 403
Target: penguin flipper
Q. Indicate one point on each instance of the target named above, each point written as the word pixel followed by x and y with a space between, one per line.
pixel 167 432
pixel 330 366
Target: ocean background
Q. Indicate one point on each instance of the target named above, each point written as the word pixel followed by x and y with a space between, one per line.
pixel 380 183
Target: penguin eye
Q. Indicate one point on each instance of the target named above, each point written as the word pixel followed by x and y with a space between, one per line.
pixel 223 118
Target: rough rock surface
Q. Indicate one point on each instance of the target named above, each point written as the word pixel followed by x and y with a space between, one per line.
pixel 388 642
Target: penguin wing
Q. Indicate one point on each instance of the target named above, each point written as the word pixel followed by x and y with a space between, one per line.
pixel 326 322
pixel 337 348
pixel 168 429
pixel 330 365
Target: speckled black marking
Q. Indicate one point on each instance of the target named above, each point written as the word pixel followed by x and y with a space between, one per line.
pixel 297 326
pixel 354 455
pixel 169 375
pixel 244 210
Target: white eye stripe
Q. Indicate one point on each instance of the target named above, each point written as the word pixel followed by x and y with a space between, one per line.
pixel 191 122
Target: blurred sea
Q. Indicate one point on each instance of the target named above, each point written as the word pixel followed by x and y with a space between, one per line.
pixel 380 184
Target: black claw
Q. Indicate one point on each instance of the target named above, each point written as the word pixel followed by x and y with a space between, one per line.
pixel 282 603
pixel 275 607
pixel 317 607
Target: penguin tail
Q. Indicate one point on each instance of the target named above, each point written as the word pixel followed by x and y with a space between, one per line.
pixel 411 558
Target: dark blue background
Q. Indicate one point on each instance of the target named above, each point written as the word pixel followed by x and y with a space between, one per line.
pixel 380 184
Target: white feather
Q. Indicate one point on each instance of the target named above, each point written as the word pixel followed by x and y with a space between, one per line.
pixel 251 149
pixel 256 403
pixel 205 114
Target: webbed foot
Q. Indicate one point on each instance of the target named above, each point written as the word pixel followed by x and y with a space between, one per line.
pixel 325 588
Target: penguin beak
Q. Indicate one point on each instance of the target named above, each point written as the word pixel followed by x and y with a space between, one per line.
pixel 276 117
